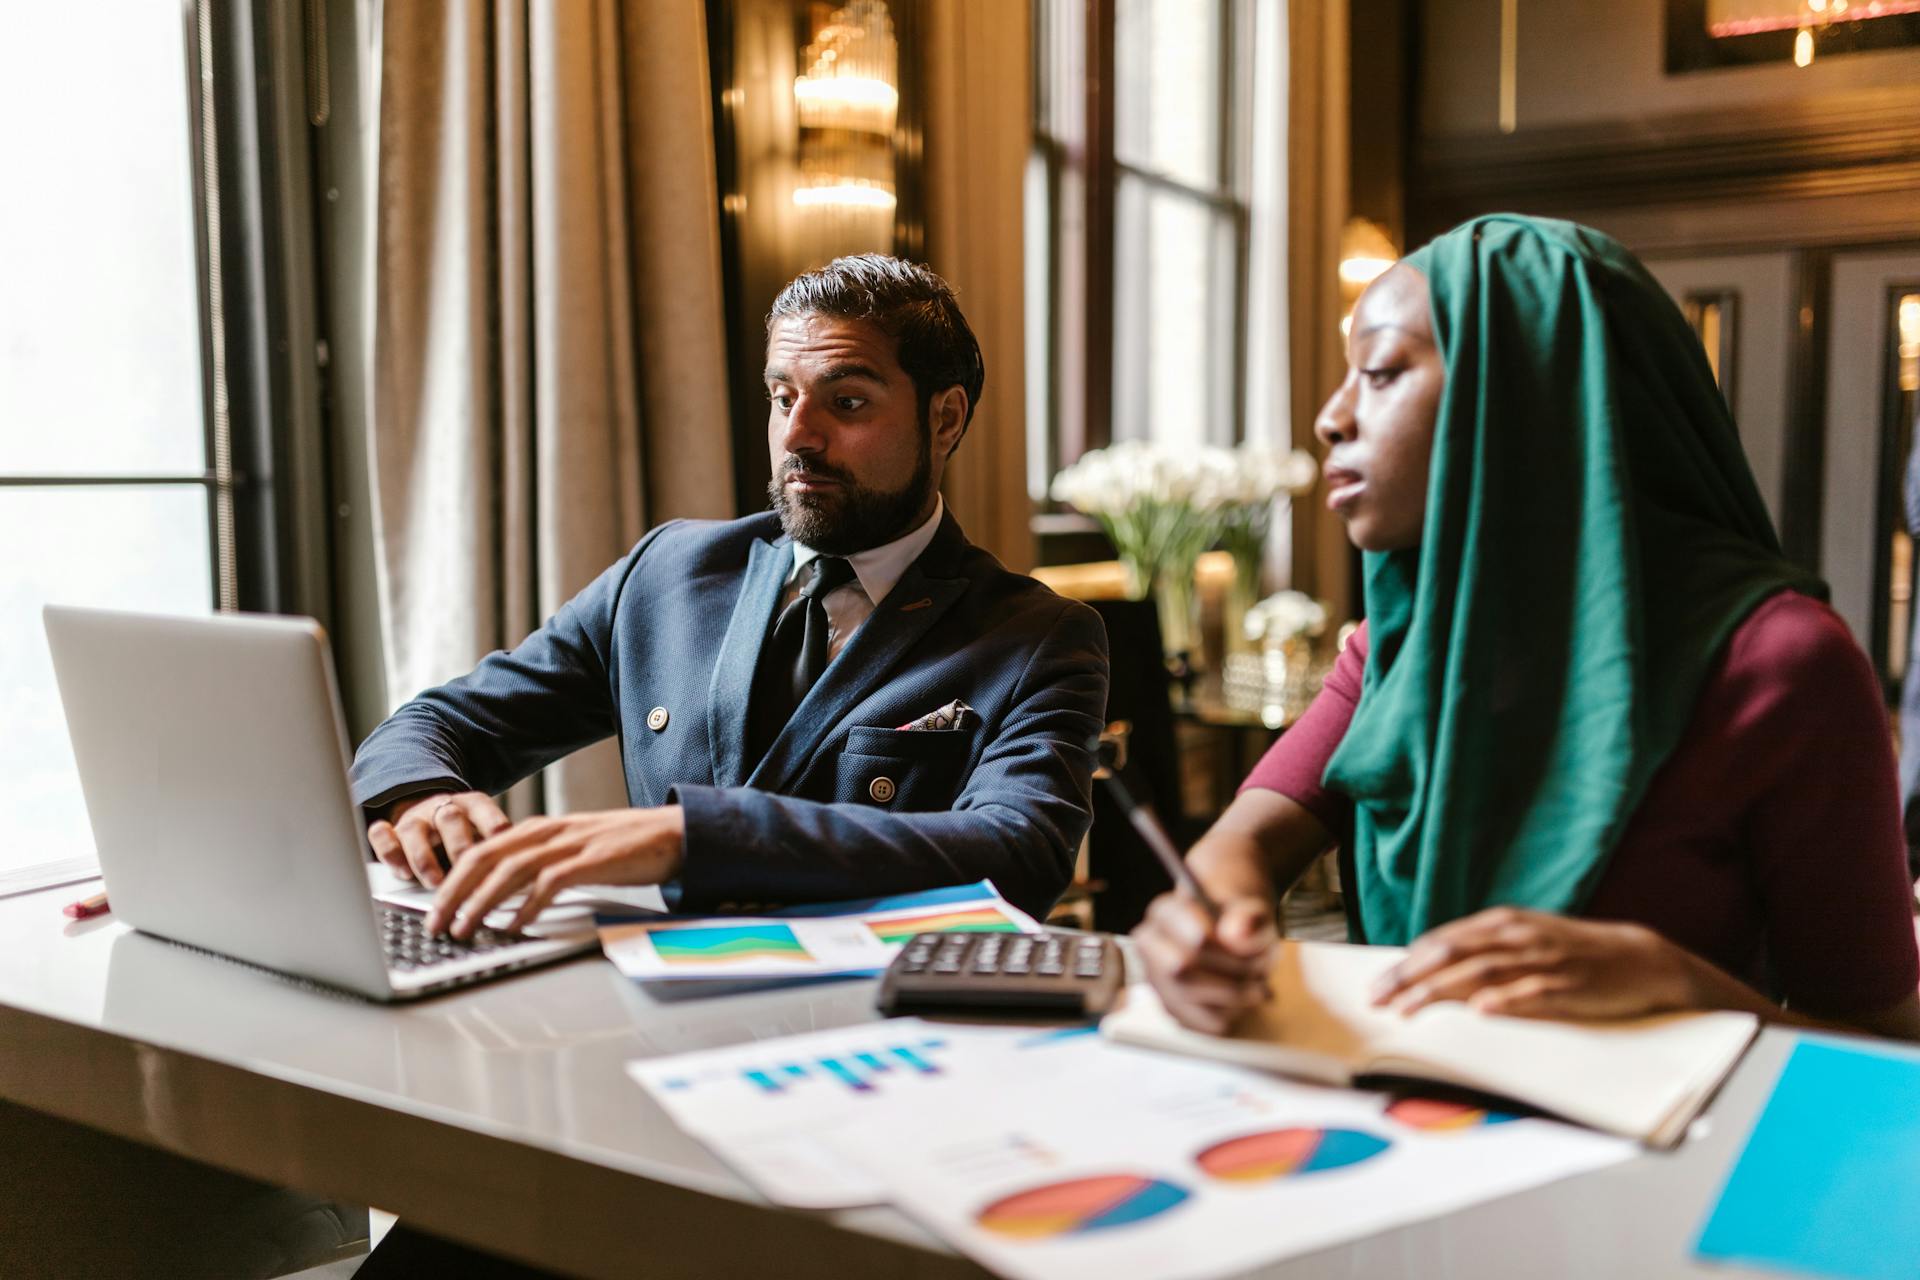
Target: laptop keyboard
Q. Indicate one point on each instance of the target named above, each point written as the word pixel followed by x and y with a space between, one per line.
pixel 408 945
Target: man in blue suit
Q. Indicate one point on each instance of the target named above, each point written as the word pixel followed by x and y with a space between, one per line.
pixel 838 698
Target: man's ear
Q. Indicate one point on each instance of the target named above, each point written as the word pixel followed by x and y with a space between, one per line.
pixel 947 418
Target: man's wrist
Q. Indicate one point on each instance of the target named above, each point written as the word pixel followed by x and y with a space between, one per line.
pixel 676 820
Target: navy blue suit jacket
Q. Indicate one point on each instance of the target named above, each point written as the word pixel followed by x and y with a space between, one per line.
pixel 677 626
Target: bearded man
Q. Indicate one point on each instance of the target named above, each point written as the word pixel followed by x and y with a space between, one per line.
pixel 838 698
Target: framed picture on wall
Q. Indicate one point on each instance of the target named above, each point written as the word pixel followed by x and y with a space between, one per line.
pixel 1702 34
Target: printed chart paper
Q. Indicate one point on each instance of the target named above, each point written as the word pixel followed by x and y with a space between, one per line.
pixel 770 1108
pixel 1830 1175
pixel 815 941
pixel 1213 1172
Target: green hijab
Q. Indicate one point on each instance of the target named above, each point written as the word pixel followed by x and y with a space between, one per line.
pixel 1593 536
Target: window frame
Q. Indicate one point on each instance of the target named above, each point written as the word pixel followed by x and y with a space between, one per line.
pixel 216 478
pixel 1074 145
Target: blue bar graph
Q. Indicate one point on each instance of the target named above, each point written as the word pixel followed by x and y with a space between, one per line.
pixel 873 1062
pixel 840 1071
pixel 915 1061
pixel 766 1082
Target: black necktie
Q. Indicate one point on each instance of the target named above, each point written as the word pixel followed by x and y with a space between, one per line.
pixel 795 654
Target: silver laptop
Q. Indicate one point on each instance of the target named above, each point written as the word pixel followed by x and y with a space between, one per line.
pixel 213 755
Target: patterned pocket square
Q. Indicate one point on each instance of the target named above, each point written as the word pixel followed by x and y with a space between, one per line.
pixel 955 715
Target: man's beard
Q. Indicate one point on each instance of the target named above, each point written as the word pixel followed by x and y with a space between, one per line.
pixel 851 517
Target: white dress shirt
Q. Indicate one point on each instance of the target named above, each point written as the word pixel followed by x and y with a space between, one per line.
pixel 875 571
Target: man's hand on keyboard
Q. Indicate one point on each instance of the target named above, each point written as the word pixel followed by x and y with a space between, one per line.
pixel 542 856
pixel 419 828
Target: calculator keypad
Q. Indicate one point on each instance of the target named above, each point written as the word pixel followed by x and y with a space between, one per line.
pixel 1077 973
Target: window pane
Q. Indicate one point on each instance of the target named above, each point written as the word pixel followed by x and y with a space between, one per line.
pixel 1166 106
pixel 99 329
pixel 1173 321
pixel 130 547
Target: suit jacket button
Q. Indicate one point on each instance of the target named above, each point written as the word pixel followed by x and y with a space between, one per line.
pixel 881 789
pixel 657 719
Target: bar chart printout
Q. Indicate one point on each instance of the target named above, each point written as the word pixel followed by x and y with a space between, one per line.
pixel 773 1108
pixel 856 1071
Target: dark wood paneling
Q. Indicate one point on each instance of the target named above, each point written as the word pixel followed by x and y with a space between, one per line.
pixel 1847 145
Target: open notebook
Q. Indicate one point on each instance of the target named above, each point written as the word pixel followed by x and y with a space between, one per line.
pixel 1643 1078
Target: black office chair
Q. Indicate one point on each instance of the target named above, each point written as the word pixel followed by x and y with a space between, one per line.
pixel 1125 873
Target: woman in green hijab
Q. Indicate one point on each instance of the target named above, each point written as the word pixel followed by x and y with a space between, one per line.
pixel 1599 750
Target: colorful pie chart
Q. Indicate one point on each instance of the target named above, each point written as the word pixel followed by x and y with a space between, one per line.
pixel 1080 1206
pixel 1437 1116
pixel 1287 1153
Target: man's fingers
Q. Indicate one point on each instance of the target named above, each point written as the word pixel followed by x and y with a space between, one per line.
pixel 488 818
pixel 507 878
pixel 457 834
pixel 417 841
pixel 478 862
pixel 386 847
pixel 547 885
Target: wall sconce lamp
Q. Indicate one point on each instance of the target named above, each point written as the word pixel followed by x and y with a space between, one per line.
pixel 1365 252
pixel 846 102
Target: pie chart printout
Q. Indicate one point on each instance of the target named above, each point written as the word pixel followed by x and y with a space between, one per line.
pixel 1080 1206
pixel 1288 1153
pixel 1437 1116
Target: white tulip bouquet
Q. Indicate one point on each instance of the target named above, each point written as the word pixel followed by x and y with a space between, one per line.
pixel 1162 507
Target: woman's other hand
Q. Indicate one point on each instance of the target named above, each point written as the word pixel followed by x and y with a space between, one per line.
pixel 1207 973
pixel 1538 965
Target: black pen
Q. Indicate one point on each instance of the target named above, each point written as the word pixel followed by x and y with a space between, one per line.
pixel 1156 837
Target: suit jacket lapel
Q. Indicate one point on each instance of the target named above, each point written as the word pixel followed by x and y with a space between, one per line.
pixel 919 600
pixel 768 564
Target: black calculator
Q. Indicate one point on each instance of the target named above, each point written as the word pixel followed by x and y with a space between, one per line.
pixel 1057 974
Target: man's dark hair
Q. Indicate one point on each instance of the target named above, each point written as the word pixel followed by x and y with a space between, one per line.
pixel 908 303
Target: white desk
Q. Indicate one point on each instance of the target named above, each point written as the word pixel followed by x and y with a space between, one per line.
pixel 502 1116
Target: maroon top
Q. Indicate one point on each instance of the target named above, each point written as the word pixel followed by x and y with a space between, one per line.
pixel 1768 843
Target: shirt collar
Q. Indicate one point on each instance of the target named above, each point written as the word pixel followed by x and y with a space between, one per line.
pixel 879 568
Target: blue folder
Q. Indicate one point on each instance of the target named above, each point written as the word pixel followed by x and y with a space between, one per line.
pixel 1829 1183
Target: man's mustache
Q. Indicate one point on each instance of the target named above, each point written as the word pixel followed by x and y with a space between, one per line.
pixel 793 463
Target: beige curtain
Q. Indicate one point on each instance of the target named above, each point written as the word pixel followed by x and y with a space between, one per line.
pixel 549 359
pixel 979 131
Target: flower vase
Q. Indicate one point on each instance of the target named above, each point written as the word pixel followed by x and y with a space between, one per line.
pixel 1179 618
pixel 1241 595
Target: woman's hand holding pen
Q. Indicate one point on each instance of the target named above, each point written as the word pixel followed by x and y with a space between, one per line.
pixel 1208 972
